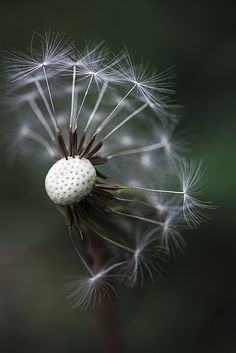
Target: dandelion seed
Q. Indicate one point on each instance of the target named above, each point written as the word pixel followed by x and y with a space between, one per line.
pixel 191 178
pixel 171 239
pixel 83 291
pixel 23 68
pixel 148 256
pixel 107 126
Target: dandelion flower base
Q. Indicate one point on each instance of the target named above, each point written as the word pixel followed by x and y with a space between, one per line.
pixel 70 180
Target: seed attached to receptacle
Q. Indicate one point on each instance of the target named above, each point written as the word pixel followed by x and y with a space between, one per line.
pixel 70 181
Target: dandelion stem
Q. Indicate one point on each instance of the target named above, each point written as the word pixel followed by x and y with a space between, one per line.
pixel 101 94
pixel 81 257
pixel 48 88
pixel 41 92
pixel 148 204
pixel 140 218
pixel 114 242
pixel 137 111
pixel 40 117
pixel 106 120
pixel 83 100
pixel 39 139
pixel 151 190
pixel 72 98
pixel 143 149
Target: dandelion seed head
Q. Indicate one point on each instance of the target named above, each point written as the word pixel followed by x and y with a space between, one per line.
pixel 108 127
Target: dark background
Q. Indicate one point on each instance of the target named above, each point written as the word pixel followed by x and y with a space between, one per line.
pixel 193 308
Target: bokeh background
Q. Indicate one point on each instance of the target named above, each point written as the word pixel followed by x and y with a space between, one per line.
pixel 193 308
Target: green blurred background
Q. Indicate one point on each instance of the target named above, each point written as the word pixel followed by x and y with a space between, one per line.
pixel 193 308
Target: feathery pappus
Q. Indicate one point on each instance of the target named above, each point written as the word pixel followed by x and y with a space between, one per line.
pixel 115 166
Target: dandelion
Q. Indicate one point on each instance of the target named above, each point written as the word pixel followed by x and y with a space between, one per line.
pixel 107 127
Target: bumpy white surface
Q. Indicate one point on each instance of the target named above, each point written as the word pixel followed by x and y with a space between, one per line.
pixel 70 181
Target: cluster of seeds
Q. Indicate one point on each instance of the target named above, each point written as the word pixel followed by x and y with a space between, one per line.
pixel 119 176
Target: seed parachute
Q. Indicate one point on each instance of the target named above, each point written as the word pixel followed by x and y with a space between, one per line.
pixel 106 129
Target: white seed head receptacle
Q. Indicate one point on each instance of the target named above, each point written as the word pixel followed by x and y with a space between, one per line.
pixel 70 181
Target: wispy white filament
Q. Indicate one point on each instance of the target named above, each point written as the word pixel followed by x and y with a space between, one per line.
pixel 49 90
pixel 106 120
pixel 42 94
pixel 83 100
pixel 41 117
pixel 144 149
pixel 71 125
pixel 152 190
pixel 27 133
pixel 133 114
pixel 96 106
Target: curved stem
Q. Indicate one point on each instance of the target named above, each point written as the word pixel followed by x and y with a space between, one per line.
pixel 114 242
